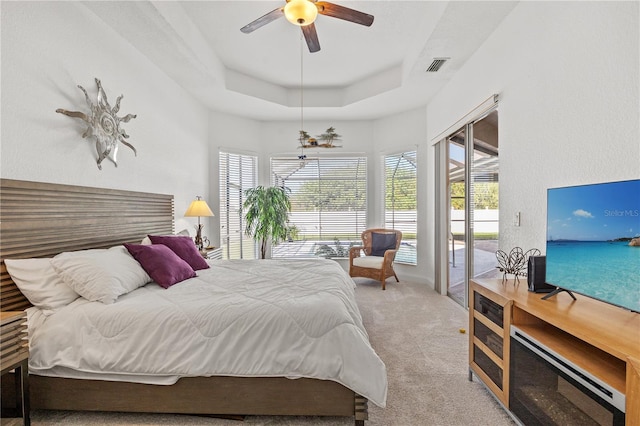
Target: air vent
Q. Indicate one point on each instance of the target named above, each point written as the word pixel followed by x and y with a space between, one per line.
pixel 437 64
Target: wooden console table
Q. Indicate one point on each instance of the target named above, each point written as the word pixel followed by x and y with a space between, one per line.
pixel 598 337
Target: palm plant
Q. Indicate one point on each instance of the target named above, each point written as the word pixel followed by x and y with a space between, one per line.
pixel 266 211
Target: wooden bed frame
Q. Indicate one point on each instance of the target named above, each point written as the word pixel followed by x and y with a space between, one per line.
pixel 44 219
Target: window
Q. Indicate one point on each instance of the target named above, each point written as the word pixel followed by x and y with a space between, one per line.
pixel 400 207
pixel 237 173
pixel 328 204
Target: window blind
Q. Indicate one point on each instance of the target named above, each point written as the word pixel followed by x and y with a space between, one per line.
pixel 400 207
pixel 328 204
pixel 237 174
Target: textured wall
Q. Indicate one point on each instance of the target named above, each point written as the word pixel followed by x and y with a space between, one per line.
pixel 392 134
pixel 48 48
pixel 567 73
pixel 568 76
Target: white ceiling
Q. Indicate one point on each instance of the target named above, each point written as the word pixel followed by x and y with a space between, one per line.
pixel 359 73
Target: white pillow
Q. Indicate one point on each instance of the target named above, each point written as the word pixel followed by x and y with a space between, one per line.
pixel 40 283
pixel 100 275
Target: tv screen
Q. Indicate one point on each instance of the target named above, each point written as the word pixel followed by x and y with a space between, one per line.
pixel 593 241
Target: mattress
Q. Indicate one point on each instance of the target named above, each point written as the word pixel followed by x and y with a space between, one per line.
pixel 248 318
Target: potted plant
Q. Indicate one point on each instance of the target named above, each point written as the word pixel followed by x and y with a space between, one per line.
pixel 329 137
pixel 266 211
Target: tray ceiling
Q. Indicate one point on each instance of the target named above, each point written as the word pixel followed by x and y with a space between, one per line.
pixel 359 73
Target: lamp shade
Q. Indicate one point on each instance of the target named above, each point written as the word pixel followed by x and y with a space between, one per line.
pixel 198 208
pixel 300 12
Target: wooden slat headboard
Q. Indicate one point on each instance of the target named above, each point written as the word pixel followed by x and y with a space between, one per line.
pixel 43 219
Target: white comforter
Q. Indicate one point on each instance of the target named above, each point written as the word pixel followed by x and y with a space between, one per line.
pixel 293 318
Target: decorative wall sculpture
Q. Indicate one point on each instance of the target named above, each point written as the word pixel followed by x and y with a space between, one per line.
pixel 103 124
pixel 328 139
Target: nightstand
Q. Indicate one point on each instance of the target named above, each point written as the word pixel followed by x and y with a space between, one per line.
pixel 14 350
pixel 211 253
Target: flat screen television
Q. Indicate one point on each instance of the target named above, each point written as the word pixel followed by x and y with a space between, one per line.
pixel 593 241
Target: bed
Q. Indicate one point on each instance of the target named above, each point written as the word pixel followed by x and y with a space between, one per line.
pixel 43 220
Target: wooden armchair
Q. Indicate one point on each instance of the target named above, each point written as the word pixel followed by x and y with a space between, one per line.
pixel 380 247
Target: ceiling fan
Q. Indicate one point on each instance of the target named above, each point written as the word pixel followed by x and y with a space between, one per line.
pixel 304 12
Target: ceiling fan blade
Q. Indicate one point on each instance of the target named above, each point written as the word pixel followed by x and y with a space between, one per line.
pixel 341 12
pixel 311 36
pixel 263 20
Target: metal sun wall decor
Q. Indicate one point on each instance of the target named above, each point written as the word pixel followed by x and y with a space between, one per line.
pixel 514 263
pixel 103 124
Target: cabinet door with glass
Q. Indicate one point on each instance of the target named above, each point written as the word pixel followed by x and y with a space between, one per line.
pixel 489 322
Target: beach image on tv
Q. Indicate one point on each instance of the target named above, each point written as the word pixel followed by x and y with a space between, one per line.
pixel 593 241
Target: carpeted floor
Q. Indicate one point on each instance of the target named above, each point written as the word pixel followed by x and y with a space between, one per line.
pixel 416 333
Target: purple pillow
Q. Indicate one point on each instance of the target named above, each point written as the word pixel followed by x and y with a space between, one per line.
pixel 161 263
pixel 183 247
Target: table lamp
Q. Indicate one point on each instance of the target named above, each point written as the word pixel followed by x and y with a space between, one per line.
pixel 198 208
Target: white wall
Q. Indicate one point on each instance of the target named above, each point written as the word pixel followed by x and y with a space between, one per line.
pixel 407 131
pixel 568 76
pixel 48 48
pixel 229 133
pixel 401 132
pixel 268 139
pixel 567 73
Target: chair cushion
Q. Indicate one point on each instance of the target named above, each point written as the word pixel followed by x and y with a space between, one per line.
pixel 374 262
pixel 381 243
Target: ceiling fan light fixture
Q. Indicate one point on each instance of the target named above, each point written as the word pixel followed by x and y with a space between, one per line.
pixel 300 12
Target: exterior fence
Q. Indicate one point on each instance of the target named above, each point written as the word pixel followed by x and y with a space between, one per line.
pixel 347 226
pixel 484 221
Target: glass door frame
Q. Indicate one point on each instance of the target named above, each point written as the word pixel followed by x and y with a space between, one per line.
pixel 442 210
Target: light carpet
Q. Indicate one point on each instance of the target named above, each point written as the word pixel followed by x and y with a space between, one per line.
pixel 415 331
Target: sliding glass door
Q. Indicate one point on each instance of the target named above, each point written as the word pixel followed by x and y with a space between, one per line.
pixel 472 204
pixel 485 206
pixel 457 226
